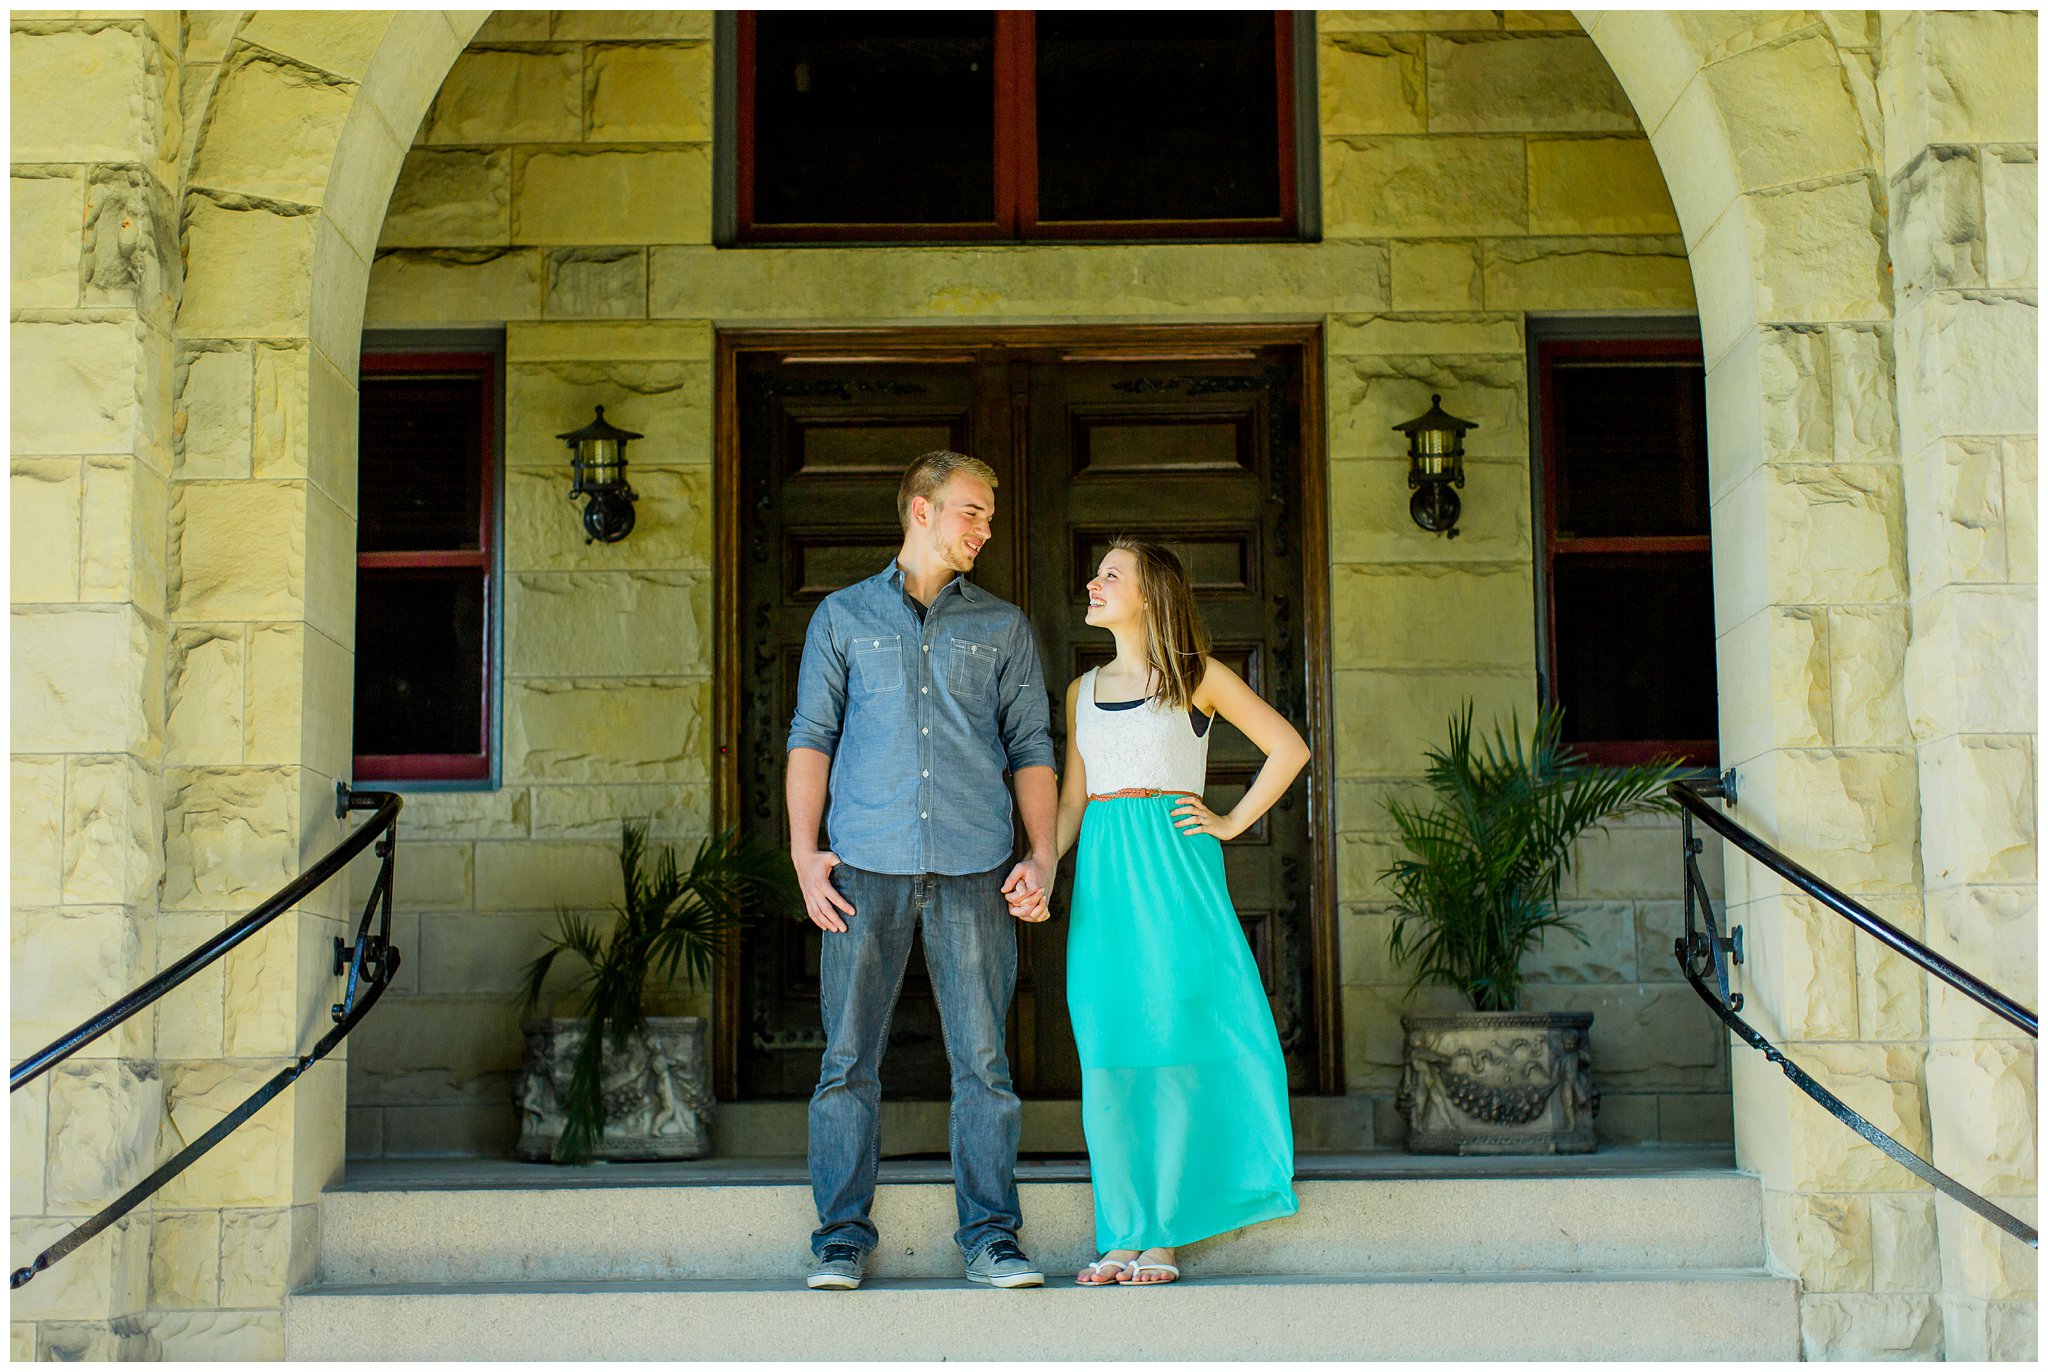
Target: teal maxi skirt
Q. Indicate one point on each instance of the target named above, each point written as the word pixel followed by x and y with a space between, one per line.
pixel 1183 1090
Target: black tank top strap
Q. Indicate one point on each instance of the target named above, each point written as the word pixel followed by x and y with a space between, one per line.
pixel 1196 718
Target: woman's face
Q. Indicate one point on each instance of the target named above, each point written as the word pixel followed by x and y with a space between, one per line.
pixel 1113 597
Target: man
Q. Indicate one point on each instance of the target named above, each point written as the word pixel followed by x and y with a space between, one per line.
pixel 917 690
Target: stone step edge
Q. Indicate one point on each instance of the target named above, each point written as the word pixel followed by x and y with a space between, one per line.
pixel 1741 1315
pixel 793 1285
pixel 379 1187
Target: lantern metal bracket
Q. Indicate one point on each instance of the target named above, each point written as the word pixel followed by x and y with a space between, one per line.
pixel 608 517
pixel 1435 505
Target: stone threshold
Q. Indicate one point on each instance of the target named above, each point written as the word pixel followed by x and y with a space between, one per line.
pixel 441 1174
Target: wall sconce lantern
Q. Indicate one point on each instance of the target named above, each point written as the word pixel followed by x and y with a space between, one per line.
pixel 597 461
pixel 1436 463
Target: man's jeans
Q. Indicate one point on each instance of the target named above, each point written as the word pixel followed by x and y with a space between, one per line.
pixel 970 945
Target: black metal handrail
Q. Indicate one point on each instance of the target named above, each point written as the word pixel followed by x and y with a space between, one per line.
pixel 1703 948
pixel 368 963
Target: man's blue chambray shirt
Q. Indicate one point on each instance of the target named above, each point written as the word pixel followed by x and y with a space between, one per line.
pixel 920 717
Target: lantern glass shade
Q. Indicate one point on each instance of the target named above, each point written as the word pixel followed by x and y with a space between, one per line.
pixel 1434 442
pixel 1437 464
pixel 598 454
pixel 600 460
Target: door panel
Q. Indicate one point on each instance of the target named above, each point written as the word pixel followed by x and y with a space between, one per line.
pixel 1197 456
pixel 1202 455
pixel 822 448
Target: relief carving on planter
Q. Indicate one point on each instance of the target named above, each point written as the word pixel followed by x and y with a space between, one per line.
pixel 1499 1083
pixel 657 1104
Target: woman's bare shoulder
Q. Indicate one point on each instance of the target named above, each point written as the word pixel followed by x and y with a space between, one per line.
pixel 1217 675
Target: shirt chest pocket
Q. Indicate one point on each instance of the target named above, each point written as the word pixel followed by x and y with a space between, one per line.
pixel 969 667
pixel 878 664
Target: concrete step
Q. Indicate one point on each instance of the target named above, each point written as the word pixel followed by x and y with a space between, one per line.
pixel 779 1128
pixel 1365 1215
pixel 1581 1317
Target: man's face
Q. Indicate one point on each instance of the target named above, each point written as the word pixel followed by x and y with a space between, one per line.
pixel 957 520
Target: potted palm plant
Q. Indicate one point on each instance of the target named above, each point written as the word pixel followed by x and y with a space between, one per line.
pixel 1486 857
pixel 613 1081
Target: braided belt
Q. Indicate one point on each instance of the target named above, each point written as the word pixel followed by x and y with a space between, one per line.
pixel 1139 793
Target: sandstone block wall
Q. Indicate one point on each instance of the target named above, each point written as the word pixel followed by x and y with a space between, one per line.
pixel 1474 168
pixel 95 287
pixel 608 660
pixel 184 449
pixel 1960 169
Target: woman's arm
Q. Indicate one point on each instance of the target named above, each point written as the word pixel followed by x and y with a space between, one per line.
pixel 1073 784
pixel 1224 692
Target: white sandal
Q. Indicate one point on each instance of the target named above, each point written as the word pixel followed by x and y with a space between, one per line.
pixel 1116 1266
pixel 1138 1267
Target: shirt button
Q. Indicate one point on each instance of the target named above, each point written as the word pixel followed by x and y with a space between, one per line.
pixel 927 647
pixel 924 690
pixel 878 643
pixel 924 774
pixel 923 814
pixel 924 731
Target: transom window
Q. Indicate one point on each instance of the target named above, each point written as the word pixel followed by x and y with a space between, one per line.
pixel 1070 124
pixel 427 505
pixel 1627 568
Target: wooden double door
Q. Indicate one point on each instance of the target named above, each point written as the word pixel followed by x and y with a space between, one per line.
pixel 1199 447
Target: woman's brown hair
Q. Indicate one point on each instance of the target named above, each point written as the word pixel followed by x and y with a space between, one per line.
pixel 1176 644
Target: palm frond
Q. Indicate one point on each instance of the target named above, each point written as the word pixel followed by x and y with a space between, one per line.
pixel 675 926
pixel 583 1112
pixel 574 936
pixel 1487 856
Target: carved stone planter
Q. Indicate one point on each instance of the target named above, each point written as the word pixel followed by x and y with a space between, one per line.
pixel 657 1093
pixel 1498 1082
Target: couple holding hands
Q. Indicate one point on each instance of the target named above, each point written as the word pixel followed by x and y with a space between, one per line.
pixel 917 691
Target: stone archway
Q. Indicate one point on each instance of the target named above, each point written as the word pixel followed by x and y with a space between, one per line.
pixel 1769 340
pixel 1857 412
pixel 200 203
pixel 1850 350
pixel 288 171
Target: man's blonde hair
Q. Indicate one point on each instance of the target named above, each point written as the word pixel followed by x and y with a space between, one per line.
pixel 928 474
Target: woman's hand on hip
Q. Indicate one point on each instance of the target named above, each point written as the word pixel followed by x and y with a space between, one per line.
pixel 1193 816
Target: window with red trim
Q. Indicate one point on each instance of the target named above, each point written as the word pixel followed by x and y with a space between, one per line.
pixel 426 534
pixel 1627 566
pixel 1014 125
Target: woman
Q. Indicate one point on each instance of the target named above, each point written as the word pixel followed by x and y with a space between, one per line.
pixel 1183 1089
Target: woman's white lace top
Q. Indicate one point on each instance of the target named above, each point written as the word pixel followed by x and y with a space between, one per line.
pixel 1149 745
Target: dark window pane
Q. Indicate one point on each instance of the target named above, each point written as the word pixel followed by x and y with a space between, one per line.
pixel 1630 448
pixel 1635 647
pixel 874 118
pixel 419 661
pixel 1157 115
pixel 420 485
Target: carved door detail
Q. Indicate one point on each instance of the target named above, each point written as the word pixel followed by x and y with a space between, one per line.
pixel 1201 454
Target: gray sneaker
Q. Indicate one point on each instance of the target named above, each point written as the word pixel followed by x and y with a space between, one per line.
pixel 1002 1263
pixel 840 1268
